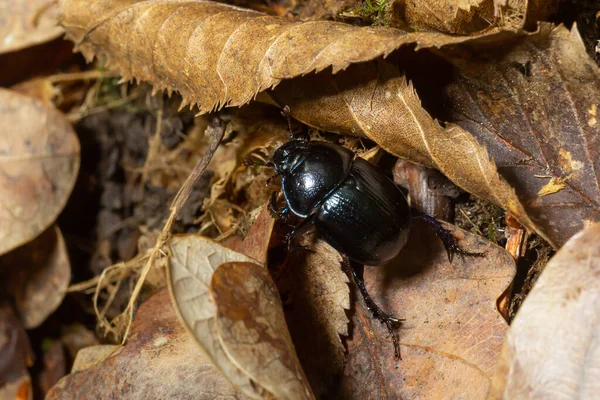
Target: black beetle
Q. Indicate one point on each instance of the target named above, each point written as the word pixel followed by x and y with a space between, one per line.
pixel 352 205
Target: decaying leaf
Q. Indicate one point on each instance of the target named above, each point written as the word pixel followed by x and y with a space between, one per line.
pixel 551 349
pixel 92 355
pixel 160 361
pixel 38 274
pixel 15 356
pixel 467 17
pixel 534 108
pixel 229 303
pixel 316 313
pixel 217 55
pixel 373 100
pixel 39 161
pixel 25 23
pixel 452 332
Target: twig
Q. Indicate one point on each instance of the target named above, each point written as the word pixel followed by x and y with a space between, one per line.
pixel 217 131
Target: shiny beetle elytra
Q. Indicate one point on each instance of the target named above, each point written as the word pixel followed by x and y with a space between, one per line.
pixel 352 205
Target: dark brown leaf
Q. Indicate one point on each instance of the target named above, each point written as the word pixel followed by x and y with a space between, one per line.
pixel 535 107
pixel 15 356
pixel 37 275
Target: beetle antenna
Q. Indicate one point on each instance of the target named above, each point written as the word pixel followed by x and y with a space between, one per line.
pixel 286 113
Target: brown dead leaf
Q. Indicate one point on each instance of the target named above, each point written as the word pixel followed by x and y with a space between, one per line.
pixel 38 275
pixel 533 107
pixel 237 335
pixel 92 355
pixel 25 23
pixel 39 161
pixel 217 55
pixel 160 361
pixel 15 356
pixel 316 313
pixel 452 332
pixel 375 101
pixel 551 349
pixel 468 17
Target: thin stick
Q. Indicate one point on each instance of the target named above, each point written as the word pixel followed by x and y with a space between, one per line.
pixel 217 130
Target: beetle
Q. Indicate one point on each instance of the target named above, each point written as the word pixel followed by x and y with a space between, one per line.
pixel 351 204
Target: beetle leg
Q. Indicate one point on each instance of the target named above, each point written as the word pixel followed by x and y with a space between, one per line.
pixel 275 211
pixel 301 229
pixel 356 270
pixel 447 238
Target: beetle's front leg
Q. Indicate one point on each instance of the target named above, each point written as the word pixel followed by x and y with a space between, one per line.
pixel 275 211
pixel 447 238
pixel 301 229
pixel 356 270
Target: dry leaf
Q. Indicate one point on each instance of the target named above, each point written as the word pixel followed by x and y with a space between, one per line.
pixel 452 332
pixel 25 23
pixel 240 326
pixel 38 275
pixel 160 361
pixel 39 161
pixel 90 356
pixel 468 17
pixel 15 356
pixel 316 313
pixel 375 101
pixel 534 108
pixel 217 55
pixel 551 349
pixel 450 16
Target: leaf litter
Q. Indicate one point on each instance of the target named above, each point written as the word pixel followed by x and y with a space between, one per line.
pixel 239 311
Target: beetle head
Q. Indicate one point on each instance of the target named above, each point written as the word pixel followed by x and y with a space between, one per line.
pixel 288 155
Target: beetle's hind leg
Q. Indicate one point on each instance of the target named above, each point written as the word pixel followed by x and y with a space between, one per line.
pixel 447 238
pixel 356 270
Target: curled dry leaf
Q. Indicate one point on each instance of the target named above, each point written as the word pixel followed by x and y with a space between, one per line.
pixel 373 100
pixel 452 332
pixel 551 349
pixel 535 108
pixel 25 23
pixel 316 314
pixel 38 275
pixel 39 161
pixel 240 325
pixel 218 55
pixel 160 361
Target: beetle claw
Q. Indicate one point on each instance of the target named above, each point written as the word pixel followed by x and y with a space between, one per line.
pixel 448 240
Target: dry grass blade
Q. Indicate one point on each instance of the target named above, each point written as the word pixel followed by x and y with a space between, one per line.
pixel 124 320
pixel 218 55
